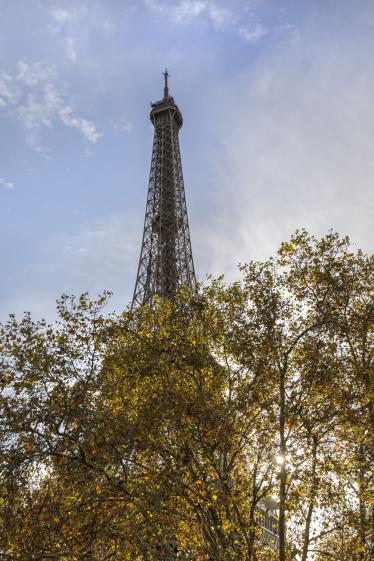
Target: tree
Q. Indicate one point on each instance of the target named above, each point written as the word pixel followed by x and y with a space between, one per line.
pixel 162 432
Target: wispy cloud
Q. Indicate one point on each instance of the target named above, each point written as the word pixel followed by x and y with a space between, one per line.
pixel 245 22
pixel 87 128
pixel 67 21
pixel 6 184
pixel 64 16
pixel 186 11
pixel 40 99
pixel 9 91
pixel 36 73
pixel 70 250
pixel 61 16
pixel 123 125
pixel 101 254
pixel 252 33
pixel 289 31
pixel 220 16
pixel 189 9
pixel 296 151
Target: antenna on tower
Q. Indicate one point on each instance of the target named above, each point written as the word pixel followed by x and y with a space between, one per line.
pixel 166 87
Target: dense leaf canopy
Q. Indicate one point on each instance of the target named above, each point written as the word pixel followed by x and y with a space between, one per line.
pixel 163 433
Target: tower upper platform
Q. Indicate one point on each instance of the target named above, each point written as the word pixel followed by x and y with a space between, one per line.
pixel 166 108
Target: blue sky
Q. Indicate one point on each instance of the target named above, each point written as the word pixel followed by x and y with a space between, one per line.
pixel 278 105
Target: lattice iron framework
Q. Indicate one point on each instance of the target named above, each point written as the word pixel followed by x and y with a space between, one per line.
pixel 166 261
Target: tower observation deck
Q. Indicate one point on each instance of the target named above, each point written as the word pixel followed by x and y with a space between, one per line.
pixel 166 262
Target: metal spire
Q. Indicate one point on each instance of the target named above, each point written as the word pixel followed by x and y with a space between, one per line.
pixel 166 87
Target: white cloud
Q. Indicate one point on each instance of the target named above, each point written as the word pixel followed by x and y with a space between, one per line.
pixel 63 16
pixel 252 34
pixel 39 108
pixel 220 16
pixel 87 128
pixel 6 184
pixel 185 11
pixel 8 90
pixel 36 73
pixel 82 15
pixel 68 21
pixel 40 100
pixel 295 150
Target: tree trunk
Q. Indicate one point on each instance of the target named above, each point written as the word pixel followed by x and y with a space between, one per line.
pixel 313 494
pixel 362 503
pixel 252 534
pixel 283 471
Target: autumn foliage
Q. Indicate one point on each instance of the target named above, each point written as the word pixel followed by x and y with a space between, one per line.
pixel 123 435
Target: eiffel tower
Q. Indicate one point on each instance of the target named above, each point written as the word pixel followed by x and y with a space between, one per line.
pixel 165 262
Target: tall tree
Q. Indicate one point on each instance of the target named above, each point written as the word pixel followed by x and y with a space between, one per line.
pixel 167 432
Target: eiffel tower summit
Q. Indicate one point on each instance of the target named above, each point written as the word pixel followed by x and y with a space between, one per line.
pixel 166 261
